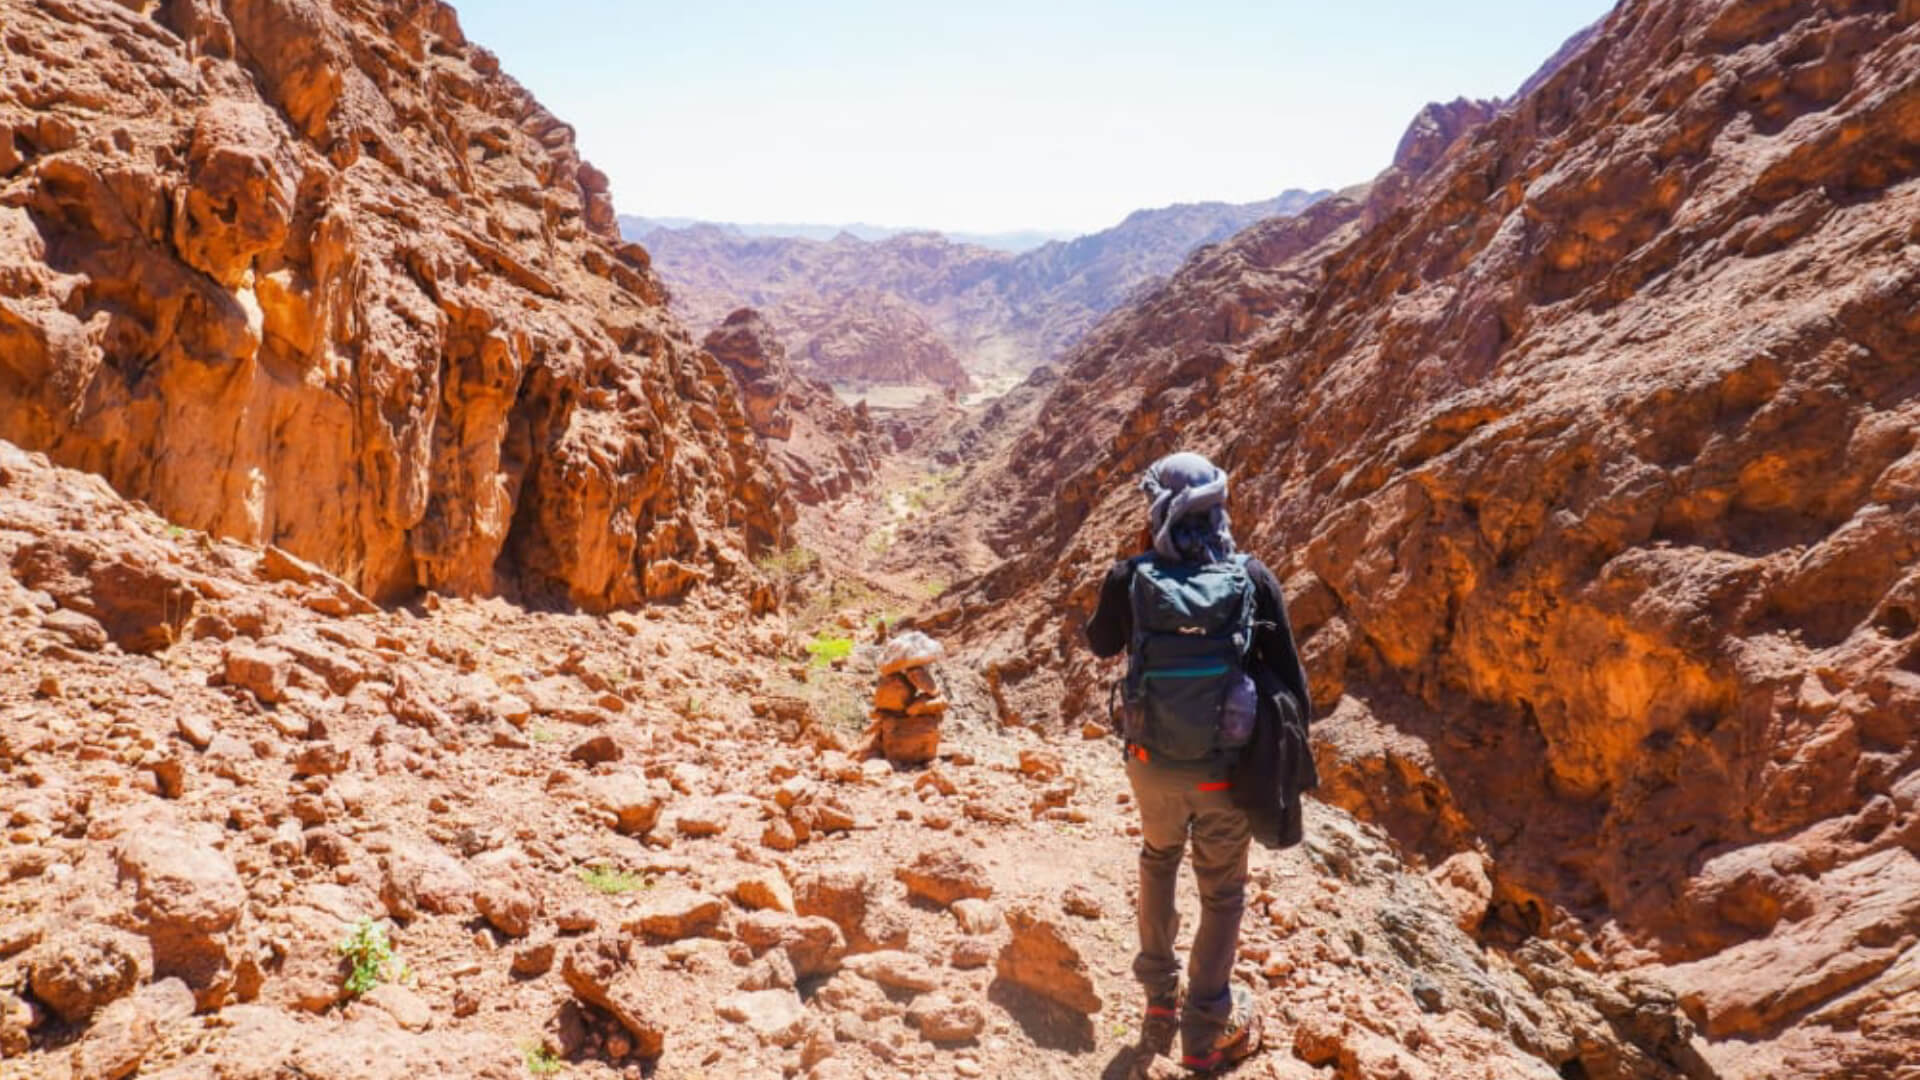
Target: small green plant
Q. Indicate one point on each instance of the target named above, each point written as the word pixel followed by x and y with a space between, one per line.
pixel 368 950
pixel 934 589
pixel 611 880
pixel 693 707
pixel 176 531
pixel 825 649
pixel 542 1061
pixel 542 735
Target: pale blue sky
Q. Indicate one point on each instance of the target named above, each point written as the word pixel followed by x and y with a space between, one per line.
pixel 996 114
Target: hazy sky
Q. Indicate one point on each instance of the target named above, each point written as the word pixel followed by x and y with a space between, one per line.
pixel 994 114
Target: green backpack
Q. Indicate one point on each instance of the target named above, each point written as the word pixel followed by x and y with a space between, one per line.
pixel 1187 693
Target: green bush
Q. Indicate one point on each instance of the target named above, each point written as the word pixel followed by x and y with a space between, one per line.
pixel 611 880
pixel 370 959
pixel 825 649
pixel 542 1061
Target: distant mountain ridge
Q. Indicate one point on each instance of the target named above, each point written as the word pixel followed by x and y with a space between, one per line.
pixel 1013 240
pixel 999 313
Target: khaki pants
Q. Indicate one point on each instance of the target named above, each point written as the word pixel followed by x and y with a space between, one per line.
pixel 1178 806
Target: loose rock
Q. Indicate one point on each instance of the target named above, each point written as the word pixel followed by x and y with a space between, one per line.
pixel 598 970
pixel 1040 958
pixel 82 970
pixel 943 875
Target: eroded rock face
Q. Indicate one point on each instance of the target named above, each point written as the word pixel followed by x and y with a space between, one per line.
pixel 1587 449
pixel 746 344
pixel 822 448
pixel 875 338
pixel 317 275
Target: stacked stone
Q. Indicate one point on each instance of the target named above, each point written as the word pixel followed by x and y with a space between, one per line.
pixel 907 703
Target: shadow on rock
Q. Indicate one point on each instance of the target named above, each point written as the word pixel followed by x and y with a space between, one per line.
pixel 1050 1025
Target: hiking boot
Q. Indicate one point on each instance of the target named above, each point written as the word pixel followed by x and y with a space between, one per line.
pixel 1229 1045
pixel 1161 1022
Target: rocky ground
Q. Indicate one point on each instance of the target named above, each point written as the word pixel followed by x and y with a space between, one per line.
pixel 509 716
pixel 605 846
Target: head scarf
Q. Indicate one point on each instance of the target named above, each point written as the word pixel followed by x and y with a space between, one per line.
pixel 1188 509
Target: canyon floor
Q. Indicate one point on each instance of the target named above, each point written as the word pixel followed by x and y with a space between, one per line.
pixel 1584 438
pixel 640 844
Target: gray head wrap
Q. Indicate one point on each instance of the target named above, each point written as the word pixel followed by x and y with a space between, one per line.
pixel 1188 511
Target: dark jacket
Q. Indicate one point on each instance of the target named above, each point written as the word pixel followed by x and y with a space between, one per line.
pixel 1271 771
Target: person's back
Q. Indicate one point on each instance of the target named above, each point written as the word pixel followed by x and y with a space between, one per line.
pixel 1206 634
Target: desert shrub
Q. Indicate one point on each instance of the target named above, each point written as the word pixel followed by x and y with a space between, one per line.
pixel 611 880
pixel 368 950
pixel 542 1061
pixel 826 648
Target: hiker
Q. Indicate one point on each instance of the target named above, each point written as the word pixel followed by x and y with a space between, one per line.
pixel 1213 710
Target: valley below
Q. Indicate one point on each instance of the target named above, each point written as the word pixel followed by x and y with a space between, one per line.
pixel 443 637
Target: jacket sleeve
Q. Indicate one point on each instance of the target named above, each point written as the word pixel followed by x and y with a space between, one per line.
pixel 1273 639
pixel 1111 627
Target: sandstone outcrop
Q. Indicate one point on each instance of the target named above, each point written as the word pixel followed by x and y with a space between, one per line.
pixel 1586 447
pixel 821 447
pixel 317 275
pixel 866 338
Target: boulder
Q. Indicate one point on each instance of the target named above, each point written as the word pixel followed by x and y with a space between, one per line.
pixel 78 972
pixel 125 1032
pixel 1039 958
pixel 599 971
pixel 188 902
pixel 634 801
pixel 596 750
pixel 773 970
pixel 533 959
pixel 894 970
pixel 814 944
pixel 402 1004
pixel 841 893
pixel 421 878
pixel 977 916
pixel 943 875
pixel 673 913
pixel 261 672
pixel 506 903
pixel 775 1017
pixel 942 1019
pixel 766 890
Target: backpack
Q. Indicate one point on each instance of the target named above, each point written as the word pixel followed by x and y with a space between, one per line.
pixel 1187 693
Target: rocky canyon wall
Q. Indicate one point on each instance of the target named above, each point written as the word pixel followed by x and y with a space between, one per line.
pixel 314 273
pixel 822 448
pixel 1588 441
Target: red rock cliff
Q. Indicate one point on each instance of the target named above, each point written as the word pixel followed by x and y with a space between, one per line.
pixel 1591 454
pixel 316 274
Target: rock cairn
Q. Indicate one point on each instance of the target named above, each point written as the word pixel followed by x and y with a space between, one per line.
pixel 907 703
